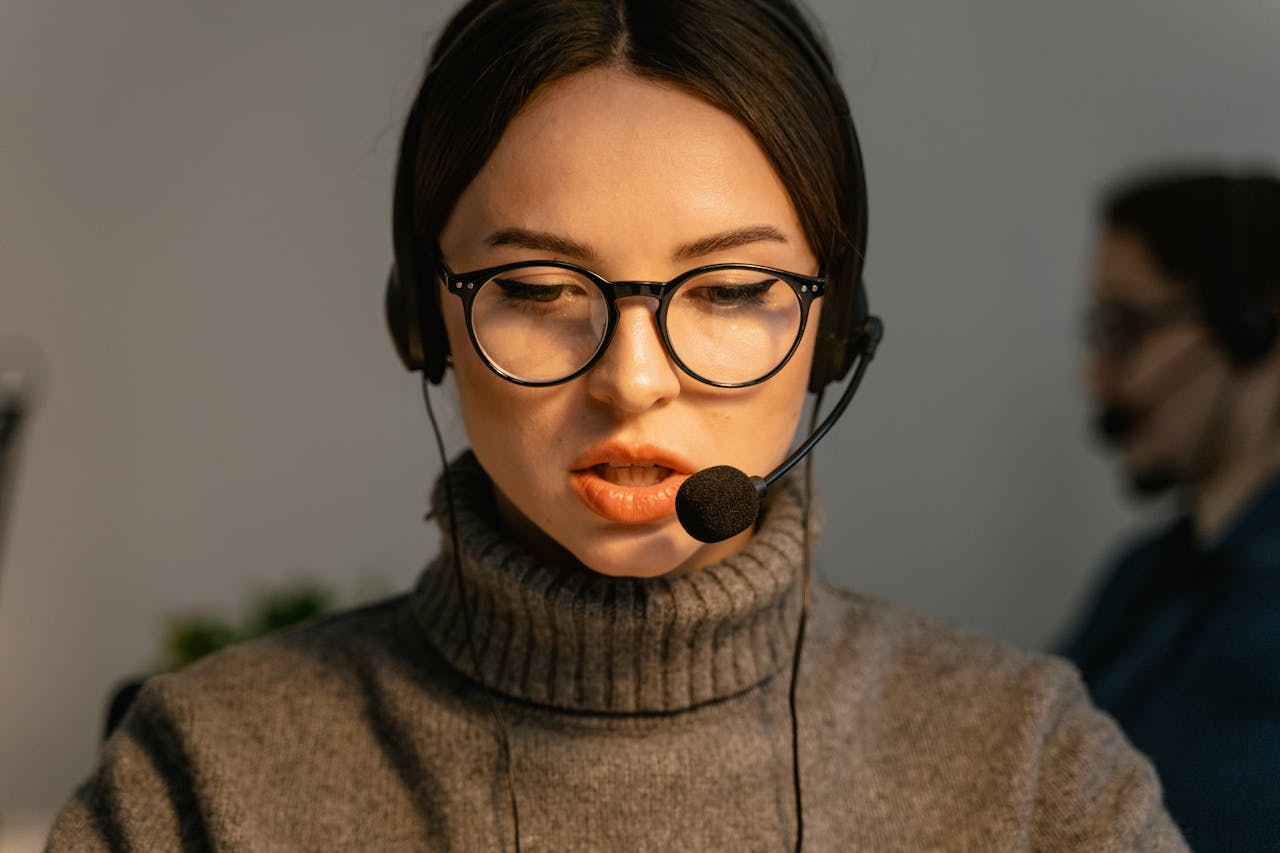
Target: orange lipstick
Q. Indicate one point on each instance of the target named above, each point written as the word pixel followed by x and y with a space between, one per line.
pixel 629 484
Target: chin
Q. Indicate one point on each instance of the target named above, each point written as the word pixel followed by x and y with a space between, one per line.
pixel 630 553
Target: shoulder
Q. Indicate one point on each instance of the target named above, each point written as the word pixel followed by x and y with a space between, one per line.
pixel 944 714
pixel 1126 579
pixel 905 648
pixel 932 678
pixel 241 745
pixel 317 669
pixel 1138 559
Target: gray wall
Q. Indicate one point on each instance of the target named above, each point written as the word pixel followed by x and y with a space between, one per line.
pixel 194 226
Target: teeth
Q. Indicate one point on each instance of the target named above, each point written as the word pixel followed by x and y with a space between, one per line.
pixel 632 475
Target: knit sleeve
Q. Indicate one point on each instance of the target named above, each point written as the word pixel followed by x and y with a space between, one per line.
pixel 141 796
pixel 1095 792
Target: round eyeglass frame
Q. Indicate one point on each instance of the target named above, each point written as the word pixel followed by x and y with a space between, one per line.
pixel 465 285
pixel 1143 322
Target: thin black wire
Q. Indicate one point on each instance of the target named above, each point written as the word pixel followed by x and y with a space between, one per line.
pixel 11 412
pixel 798 649
pixel 507 759
pixel 806 571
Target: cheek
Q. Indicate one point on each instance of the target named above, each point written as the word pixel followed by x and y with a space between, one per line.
pixel 760 431
pixel 480 390
pixel 517 433
pixel 483 396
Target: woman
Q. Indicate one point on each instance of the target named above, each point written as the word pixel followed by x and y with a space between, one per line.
pixel 633 232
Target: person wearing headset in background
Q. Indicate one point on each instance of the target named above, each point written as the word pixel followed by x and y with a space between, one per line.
pixel 634 232
pixel 1182 644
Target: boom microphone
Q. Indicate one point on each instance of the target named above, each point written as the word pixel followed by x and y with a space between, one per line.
pixel 1115 423
pixel 22 368
pixel 718 503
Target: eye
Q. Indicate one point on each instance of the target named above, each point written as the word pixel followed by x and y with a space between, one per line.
pixel 524 291
pixel 1120 328
pixel 730 295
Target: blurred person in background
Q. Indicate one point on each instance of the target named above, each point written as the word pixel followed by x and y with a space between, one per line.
pixel 1182 642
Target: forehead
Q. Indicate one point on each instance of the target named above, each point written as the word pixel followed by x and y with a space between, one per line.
pixel 1125 272
pixel 620 162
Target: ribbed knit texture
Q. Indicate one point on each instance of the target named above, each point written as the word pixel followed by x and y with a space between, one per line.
pixel 643 716
pixel 572 638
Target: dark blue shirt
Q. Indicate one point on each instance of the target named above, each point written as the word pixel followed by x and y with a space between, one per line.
pixel 1182 647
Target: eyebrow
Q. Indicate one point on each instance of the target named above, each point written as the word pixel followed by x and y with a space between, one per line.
pixel 729 240
pixel 542 241
pixel 545 241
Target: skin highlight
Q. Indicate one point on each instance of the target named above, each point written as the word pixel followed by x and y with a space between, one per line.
pixel 636 180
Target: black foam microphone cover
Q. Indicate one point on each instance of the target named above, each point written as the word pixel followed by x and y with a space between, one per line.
pixel 1114 424
pixel 718 503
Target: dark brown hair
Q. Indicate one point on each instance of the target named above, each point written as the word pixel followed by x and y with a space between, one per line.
pixel 1214 234
pixel 495 54
pixel 757 60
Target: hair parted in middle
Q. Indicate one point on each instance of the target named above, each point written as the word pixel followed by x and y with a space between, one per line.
pixel 744 57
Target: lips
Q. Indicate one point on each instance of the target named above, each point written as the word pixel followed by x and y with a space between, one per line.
pixel 629 484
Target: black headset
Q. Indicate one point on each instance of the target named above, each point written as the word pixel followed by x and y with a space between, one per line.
pixel 1237 311
pixel 846 333
pixel 413 311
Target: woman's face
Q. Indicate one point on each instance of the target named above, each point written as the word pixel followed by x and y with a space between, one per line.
pixel 634 180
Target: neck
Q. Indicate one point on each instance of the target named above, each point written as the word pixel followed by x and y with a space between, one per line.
pixel 1252 457
pixel 552 632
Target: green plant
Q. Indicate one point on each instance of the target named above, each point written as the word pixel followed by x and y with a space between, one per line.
pixel 191 636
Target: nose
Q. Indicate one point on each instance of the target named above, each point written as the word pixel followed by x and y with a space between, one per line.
pixel 635 373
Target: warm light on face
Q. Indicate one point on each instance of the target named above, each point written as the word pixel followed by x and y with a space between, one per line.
pixel 636 181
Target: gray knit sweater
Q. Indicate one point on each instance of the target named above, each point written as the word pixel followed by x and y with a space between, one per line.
pixel 642 714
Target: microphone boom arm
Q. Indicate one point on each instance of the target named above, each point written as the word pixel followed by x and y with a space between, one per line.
pixel 874 331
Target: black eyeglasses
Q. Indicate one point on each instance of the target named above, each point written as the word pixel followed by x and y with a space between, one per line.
pixel 1118 330
pixel 541 323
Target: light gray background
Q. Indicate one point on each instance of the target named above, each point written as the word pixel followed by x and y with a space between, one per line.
pixel 194 226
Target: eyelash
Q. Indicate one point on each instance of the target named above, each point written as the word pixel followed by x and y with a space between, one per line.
pixel 519 291
pixel 739 293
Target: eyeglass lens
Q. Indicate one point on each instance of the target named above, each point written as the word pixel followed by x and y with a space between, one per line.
pixel 1120 329
pixel 728 326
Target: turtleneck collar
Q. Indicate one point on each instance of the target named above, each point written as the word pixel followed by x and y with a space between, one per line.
pixel 570 638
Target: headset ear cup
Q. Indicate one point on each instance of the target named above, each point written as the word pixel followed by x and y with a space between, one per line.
pixel 840 329
pixel 1252 336
pixel 433 339
pixel 412 304
pixel 398 324
pixel 1242 315
pixel 416 327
